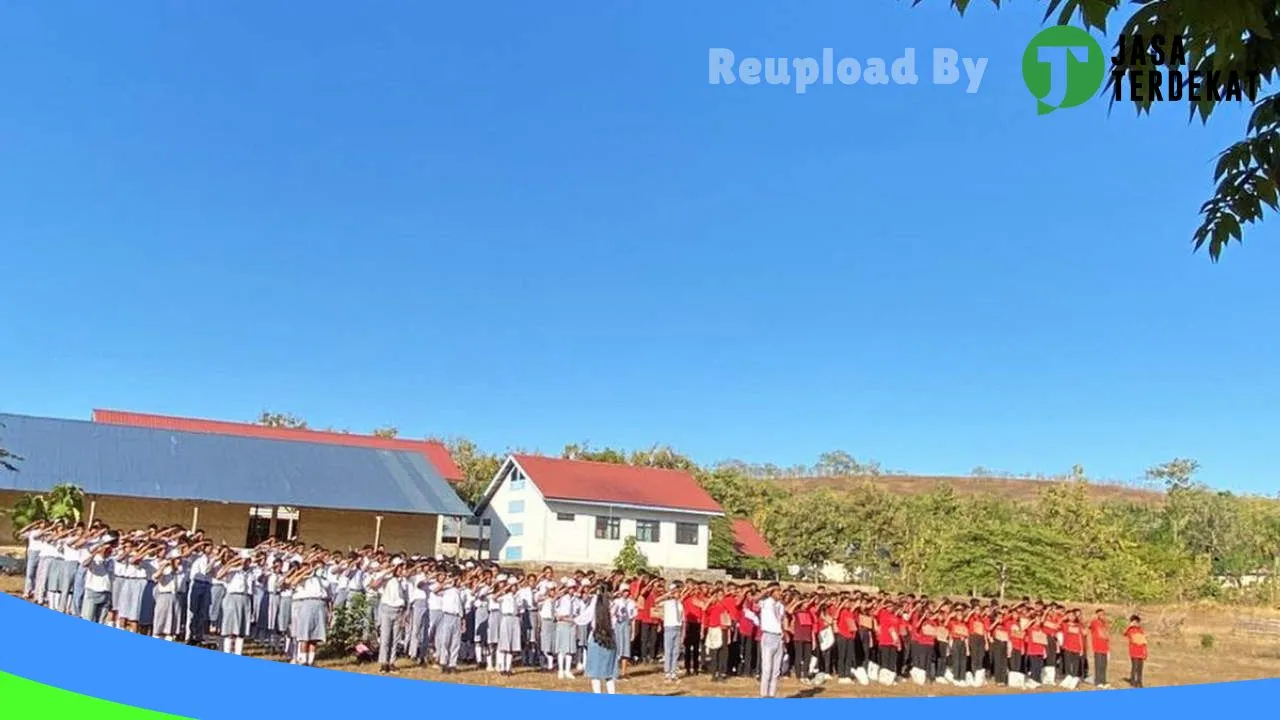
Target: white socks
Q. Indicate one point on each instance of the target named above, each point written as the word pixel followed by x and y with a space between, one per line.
pixel 239 646
pixel 611 687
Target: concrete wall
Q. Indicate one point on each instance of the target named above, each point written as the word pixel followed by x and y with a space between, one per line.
pixel 342 530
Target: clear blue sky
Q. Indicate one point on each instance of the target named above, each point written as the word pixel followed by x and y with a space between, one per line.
pixel 537 223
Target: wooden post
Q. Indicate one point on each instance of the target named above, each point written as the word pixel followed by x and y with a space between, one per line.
pixel 377 533
pixel 291 527
pixel 461 524
pixel 93 508
pixel 195 518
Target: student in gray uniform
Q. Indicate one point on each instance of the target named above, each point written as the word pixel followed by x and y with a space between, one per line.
pixel 165 622
pixel 309 609
pixel 97 593
pixel 237 606
pixel 448 631
pixel 391 589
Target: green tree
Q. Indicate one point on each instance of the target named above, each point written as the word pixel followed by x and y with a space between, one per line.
pixel 1002 558
pixel 63 502
pixel 478 468
pixel 1239 35
pixel 630 559
pixel 281 420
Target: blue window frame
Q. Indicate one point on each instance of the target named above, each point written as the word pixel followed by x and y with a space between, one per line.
pixel 515 529
pixel 515 506
pixel 517 479
pixel 513 553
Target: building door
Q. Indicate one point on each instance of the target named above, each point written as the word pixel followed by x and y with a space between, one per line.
pixel 259 526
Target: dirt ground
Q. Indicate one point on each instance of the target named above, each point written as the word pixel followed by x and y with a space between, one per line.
pixel 1178 657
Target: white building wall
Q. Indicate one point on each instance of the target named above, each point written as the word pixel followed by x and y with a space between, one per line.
pixel 527 528
pixel 518 521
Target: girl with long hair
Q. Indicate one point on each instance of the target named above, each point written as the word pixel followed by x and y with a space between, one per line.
pixel 602 644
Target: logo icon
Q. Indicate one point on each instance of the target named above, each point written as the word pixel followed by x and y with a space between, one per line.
pixel 1063 67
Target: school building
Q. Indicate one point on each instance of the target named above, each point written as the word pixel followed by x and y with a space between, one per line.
pixel 239 488
pixel 549 510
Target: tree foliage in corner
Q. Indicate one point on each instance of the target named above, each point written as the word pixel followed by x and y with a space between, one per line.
pixel 7 458
pixel 1223 35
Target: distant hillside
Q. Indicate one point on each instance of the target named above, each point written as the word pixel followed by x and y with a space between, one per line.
pixel 1017 489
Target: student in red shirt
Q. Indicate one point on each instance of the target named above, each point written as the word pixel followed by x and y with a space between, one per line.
pixel 958 630
pixel 888 642
pixel 1072 649
pixel 1037 647
pixel 977 642
pixel 846 636
pixel 694 602
pixel 1017 647
pixel 748 634
pixel 802 636
pixel 923 638
pixel 1000 648
pixel 1137 650
pixel 717 626
pixel 1100 646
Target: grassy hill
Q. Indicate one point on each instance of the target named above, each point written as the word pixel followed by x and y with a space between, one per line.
pixel 1008 488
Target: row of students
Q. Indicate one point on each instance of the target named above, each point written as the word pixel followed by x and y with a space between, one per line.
pixel 177 585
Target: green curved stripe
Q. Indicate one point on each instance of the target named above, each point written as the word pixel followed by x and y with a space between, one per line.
pixel 34 700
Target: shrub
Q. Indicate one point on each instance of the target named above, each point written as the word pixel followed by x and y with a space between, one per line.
pixel 1206 641
pixel 351 624
pixel 631 559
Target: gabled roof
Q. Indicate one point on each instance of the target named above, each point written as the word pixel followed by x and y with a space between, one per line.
pixel 434 451
pixel 106 459
pixel 748 541
pixel 600 483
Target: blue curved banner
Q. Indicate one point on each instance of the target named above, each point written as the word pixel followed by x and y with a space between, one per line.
pixel 107 664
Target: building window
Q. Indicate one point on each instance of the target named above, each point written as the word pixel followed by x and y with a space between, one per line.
pixel 512 553
pixel 565 517
pixel 287 524
pixel 515 529
pixel 515 506
pixel 517 479
pixel 686 534
pixel 647 530
pixel 608 528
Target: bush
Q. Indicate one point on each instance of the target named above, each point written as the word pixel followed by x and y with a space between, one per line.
pixel 1206 641
pixel 351 624
pixel 631 559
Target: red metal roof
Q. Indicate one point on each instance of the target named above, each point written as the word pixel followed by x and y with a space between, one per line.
pixel 748 541
pixel 435 452
pixel 599 482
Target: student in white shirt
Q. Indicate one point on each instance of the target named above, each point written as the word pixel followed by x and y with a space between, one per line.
pixel 418 590
pixel 772 615
pixel 392 592
pixel 237 607
pixel 309 609
pixel 566 643
pixel 449 631
pixel 672 623
pixel 623 612
pixel 32 534
pixel 166 622
pixel 509 631
pixel 97 585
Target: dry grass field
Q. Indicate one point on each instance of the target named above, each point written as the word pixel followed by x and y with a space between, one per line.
pixel 1178 657
pixel 1017 489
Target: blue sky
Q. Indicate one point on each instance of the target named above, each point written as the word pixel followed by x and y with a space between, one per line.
pixel 537 223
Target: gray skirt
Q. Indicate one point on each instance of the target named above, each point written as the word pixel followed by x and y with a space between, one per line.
pixel 495 624
pixel 311 620
pixel 117 592
pixel 622 637
pixel 509 634
pixel 547 635
pixel 284 615
pixel 166 620
pixel 237 616
pixel 66 576
pixel 130 604
pixel 480 626
pixel 565 643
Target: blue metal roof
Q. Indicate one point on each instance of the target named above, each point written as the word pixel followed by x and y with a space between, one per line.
pixel 148 463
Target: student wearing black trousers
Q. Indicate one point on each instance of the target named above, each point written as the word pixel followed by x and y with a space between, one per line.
pixel 1100 645
pixel 694 605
